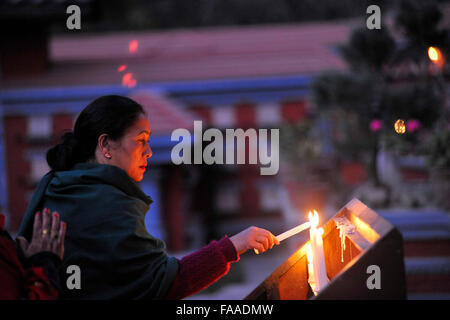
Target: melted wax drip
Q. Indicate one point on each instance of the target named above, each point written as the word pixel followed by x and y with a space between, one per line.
pixel 345 227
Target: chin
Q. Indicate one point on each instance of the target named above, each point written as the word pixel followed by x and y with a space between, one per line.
pixel 138 177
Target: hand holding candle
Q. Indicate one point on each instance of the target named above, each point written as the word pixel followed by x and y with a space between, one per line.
pixel 290 233
pixel 254 238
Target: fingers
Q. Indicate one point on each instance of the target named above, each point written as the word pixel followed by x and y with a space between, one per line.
pixel 46 222
pixel 55 225
pixel 258 247
pixel 263 240
pixel 48 235
pixel 61 236
pixel 255 238
pixel 62 231
pixel 37 226
pixel 57 234
pixel 275 240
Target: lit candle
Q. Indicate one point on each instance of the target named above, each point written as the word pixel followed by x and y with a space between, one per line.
pixel 310 268
pixel 293 231
pixel 318 257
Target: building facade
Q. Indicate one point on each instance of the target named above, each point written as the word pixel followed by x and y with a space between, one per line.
pixel 254 77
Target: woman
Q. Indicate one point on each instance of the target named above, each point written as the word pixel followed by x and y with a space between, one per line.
pixel 93 185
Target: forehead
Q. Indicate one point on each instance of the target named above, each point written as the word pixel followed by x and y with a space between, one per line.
pixel 140 125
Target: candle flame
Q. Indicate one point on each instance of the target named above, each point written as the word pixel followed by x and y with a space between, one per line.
pixel 435 56
pixel 314 219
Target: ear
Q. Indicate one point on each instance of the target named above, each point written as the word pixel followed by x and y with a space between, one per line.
pixel 104 146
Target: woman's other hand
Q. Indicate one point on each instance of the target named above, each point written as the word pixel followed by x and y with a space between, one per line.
pixel 254 238
pixel 48 235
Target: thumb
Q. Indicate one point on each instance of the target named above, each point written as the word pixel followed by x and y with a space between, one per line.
pixel 23 243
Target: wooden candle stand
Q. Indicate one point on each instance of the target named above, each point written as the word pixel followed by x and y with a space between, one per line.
pixel 372 243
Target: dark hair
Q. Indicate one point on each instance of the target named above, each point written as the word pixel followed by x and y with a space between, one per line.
pixel 111 115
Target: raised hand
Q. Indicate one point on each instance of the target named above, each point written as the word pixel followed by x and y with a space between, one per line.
pixel 48 235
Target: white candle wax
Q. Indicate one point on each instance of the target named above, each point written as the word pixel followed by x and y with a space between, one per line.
pixel 290 233
pixel 309 258
pixel 315 264
pixel 322 270
pixel 293 231
pixel 318 257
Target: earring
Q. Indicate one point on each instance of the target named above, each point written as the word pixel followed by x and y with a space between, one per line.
pixel 107 155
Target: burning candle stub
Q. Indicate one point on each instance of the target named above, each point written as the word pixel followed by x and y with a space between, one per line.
pixel 345 228
pixel 319 272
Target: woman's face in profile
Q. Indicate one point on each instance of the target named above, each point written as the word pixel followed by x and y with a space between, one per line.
pixel 131 152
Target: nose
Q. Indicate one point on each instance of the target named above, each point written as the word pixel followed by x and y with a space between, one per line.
pixel 148 152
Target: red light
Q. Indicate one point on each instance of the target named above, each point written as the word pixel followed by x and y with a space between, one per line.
pixel 128 80
pixel 133 46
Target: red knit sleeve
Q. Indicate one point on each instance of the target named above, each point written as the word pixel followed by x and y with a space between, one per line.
pixel 202 268
pixel 38 285
pixel 15 281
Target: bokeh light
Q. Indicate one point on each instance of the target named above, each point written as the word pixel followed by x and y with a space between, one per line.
pixel 399 126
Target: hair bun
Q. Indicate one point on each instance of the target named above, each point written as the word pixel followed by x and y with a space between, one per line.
pixel 69 139
pixel 64 155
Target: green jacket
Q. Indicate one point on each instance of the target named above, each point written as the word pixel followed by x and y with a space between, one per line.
pixel 106 236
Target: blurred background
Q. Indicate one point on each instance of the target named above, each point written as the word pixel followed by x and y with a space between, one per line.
pixel 362 113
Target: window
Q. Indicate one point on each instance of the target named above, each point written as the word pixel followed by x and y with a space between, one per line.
pixel 229 198
pixel 223 117
pixel 39 127
pixel 270 197
pixel 39 168
pixel 268 114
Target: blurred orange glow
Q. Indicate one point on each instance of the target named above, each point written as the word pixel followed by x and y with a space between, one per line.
pixel 133 46
pixel 435 56
pixel 399 126
pixel 121 68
